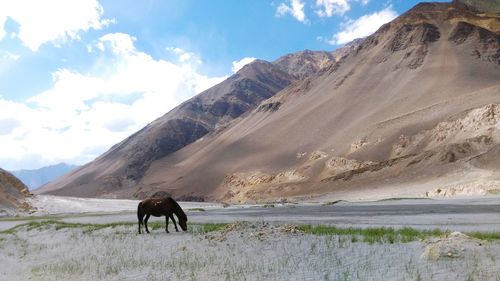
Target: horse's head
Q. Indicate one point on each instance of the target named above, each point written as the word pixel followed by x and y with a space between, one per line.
pixel 181 216
pixel 183 223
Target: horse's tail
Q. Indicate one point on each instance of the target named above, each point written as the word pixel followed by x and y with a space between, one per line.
pixel 140 215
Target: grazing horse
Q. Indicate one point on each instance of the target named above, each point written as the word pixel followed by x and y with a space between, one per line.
pixel 161 207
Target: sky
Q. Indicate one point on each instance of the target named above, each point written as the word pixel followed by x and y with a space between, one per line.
pixel 78 76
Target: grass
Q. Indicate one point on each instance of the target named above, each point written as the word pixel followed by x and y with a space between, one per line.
pixel 61 216
pixel 489 236
pixel 210 227
pixel 44 224
pixel 369 235
pixel 91 227
pixel 373 235
pixel 494 191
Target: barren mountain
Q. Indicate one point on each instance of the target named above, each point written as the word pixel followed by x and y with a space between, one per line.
pixel 412 110
pixel 12 191
pixel 212 110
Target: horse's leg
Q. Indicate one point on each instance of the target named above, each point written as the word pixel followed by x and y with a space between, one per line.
pixel 175 224
pixel 166 224
pixel 140 222
pixel 140 215
pixel 146 222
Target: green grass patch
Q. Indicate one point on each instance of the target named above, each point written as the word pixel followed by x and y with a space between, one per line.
pixel 89 227
pixel 58 225
pixel 63 216
pixel 373 235
pixel 369 235
pixel 494 191
pixel 489 236
pixel 210 227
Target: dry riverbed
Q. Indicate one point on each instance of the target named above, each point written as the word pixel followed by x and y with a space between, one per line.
pixel 96 239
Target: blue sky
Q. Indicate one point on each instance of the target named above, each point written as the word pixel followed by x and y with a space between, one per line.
pixel 77 76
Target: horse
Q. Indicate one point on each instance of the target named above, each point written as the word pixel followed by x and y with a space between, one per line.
pixel 161 207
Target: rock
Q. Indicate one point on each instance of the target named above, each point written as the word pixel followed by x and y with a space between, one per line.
pixel 453 245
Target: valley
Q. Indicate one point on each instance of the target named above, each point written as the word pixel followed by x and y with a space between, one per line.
pixel 376 159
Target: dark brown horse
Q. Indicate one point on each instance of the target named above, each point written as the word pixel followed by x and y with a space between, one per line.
pixel 161 207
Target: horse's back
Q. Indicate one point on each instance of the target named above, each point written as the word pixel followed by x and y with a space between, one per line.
pixel 156 206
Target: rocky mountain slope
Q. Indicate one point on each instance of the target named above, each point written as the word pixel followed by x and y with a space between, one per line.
pixel 488 6
pixel 12 191
pixel 412 110
pixel 125 164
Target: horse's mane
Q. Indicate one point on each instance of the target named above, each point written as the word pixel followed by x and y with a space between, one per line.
pixel 179 212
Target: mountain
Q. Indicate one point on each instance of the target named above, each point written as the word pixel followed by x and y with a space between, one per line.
pixel 488 6
pixel 12 191
pixel 38 177
pixel 411 110
pixel 124 165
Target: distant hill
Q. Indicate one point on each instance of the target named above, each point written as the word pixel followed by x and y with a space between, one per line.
pixel 38 177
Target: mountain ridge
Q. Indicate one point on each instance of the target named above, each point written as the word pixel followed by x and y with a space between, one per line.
pixel 126 162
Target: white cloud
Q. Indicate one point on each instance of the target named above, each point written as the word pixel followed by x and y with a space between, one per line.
pixel 119 43
pixel 325 8
pixel 296 9
pixel 8 56
pixel 184 56
pixel 83 114
pixel 237 65
pixel 329 8
pixel 363 26
pixel 55 21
